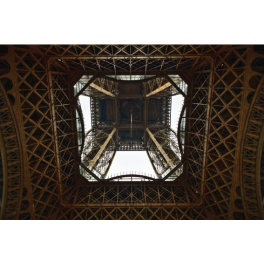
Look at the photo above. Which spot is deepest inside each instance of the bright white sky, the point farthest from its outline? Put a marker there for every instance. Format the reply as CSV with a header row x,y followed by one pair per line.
x,y
176,107
126,161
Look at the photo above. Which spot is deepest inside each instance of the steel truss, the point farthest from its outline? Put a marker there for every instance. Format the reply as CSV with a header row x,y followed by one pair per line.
x,y
160,87
197,120
64,121
10,175
130,58
140,194
96,113
132,213
133,201
31,106
101,88
223,137
162,148
228,109
99,149
252,153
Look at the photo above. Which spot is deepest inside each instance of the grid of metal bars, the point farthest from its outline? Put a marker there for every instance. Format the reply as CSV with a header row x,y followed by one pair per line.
x,y
49,171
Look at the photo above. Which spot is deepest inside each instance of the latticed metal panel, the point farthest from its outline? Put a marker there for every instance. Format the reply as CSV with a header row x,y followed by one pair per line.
x,y
10,165
91,154
222,145
167,141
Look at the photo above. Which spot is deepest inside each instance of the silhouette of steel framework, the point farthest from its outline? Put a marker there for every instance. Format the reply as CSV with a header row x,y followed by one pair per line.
x,y
221,132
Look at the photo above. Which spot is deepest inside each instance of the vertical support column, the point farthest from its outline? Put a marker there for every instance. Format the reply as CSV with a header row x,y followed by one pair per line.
x,y
187,125
73,122
146,111
4,173
242,126
116,112
21,138
207,132
54,129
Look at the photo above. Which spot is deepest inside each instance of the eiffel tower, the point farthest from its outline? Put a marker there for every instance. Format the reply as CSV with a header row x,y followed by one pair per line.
x,y
211,167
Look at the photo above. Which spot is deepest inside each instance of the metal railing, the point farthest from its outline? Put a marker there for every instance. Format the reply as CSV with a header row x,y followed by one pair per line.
x,y
133,174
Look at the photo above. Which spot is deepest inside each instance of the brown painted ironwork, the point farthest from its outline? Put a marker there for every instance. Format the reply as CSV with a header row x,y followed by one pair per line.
x,y
221,152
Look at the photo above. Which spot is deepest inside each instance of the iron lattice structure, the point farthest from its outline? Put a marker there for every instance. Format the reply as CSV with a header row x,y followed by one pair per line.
x,y
220,129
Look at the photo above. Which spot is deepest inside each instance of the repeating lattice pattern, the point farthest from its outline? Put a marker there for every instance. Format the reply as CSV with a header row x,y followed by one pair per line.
x,y
132,213
10,155
35,104
223,132
212,143
93,142
125,58
166,138
251,174
127,50
197,127
65,119
131,194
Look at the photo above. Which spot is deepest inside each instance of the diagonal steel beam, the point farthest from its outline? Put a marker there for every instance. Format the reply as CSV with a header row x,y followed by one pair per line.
x,y
125,57
90,172
174,84
169,161
100,89
85,86
98,154
161,88
173,170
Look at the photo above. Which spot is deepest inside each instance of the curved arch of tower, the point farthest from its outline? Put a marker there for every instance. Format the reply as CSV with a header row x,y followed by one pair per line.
x,y
211,167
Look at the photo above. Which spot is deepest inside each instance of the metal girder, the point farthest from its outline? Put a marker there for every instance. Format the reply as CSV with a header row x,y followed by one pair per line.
x,y
252,157
85,86
55,133
233,150
100,89
116,113
161,88
90,172
181,205
128,212
146,111
11,161
173,170
160,148
150,160
105,73
157,159
168,142
93,161
119,193
99,57
109,166
174,84
208,118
